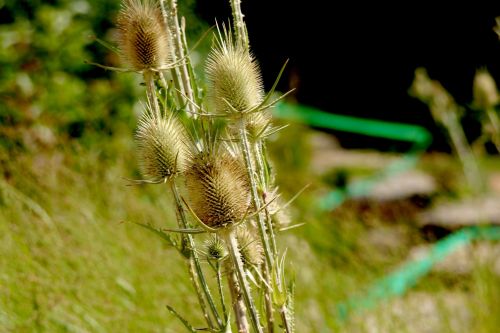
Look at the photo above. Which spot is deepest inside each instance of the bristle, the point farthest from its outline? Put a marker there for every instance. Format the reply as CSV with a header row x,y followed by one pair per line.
x,y
162,146
249,246
142,35
234,78
218,189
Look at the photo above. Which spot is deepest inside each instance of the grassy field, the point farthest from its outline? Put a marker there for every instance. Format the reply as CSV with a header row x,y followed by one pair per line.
x,y
70,261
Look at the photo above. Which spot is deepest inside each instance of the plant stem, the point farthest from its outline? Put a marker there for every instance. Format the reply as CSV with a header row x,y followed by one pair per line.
x,y
260,157
268,302
239,24
194,264
151,93
245,147
464,152
221,292
238,302
232,242
284,319
495,124
169,11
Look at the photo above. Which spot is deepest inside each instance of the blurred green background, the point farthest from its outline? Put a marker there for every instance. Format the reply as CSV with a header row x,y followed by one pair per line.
x,y
69,262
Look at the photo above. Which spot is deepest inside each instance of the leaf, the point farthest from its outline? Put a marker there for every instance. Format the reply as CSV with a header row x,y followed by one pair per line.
x,y
184,321
163,235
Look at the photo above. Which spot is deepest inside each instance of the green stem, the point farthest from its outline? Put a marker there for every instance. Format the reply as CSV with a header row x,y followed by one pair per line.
x,y
268,303
232,242
221,292
284,319
245,147
151,93
260,158
194,263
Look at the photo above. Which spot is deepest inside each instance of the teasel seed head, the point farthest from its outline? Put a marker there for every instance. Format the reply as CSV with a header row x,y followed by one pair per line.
x,y
251,251
234,77
215,248
142,35
218,189
485,90
162,146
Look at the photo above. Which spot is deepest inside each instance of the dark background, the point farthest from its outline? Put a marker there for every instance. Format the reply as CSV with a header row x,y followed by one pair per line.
x,y
358,59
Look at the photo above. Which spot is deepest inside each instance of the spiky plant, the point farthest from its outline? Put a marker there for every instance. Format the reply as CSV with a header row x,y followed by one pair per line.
x,y
226,173
234,77
162,146
218,189
142,35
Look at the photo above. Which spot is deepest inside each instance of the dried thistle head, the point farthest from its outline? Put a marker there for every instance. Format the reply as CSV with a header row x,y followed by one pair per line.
x,y
484,90
162,146
218,189
215,248
142,35
251,251
234,77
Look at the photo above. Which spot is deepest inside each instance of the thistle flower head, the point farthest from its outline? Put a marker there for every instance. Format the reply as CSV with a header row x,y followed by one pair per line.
x,y
250,247
234,77
142,35
215,248
162,146
218,189
485,90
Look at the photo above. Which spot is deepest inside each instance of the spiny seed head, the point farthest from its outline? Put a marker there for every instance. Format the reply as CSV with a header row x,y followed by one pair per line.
x,y
234,78
218,189
215,248
250,247
485,90
162,146
142,35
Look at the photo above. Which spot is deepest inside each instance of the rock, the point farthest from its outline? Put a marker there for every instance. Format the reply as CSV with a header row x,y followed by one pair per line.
x,y
403,185
420,312
464,259
452,216
327,154
386,239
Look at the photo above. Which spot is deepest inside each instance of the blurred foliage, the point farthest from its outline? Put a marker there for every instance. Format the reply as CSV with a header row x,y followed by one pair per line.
x,y
48,93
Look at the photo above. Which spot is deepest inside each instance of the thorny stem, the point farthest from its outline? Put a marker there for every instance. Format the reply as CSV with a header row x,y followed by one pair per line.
x,y
221,292
169,11
238,303
495,124
232,243
284,319
259,157
245,147
258,154
151,93
239,24
269,303
194,264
